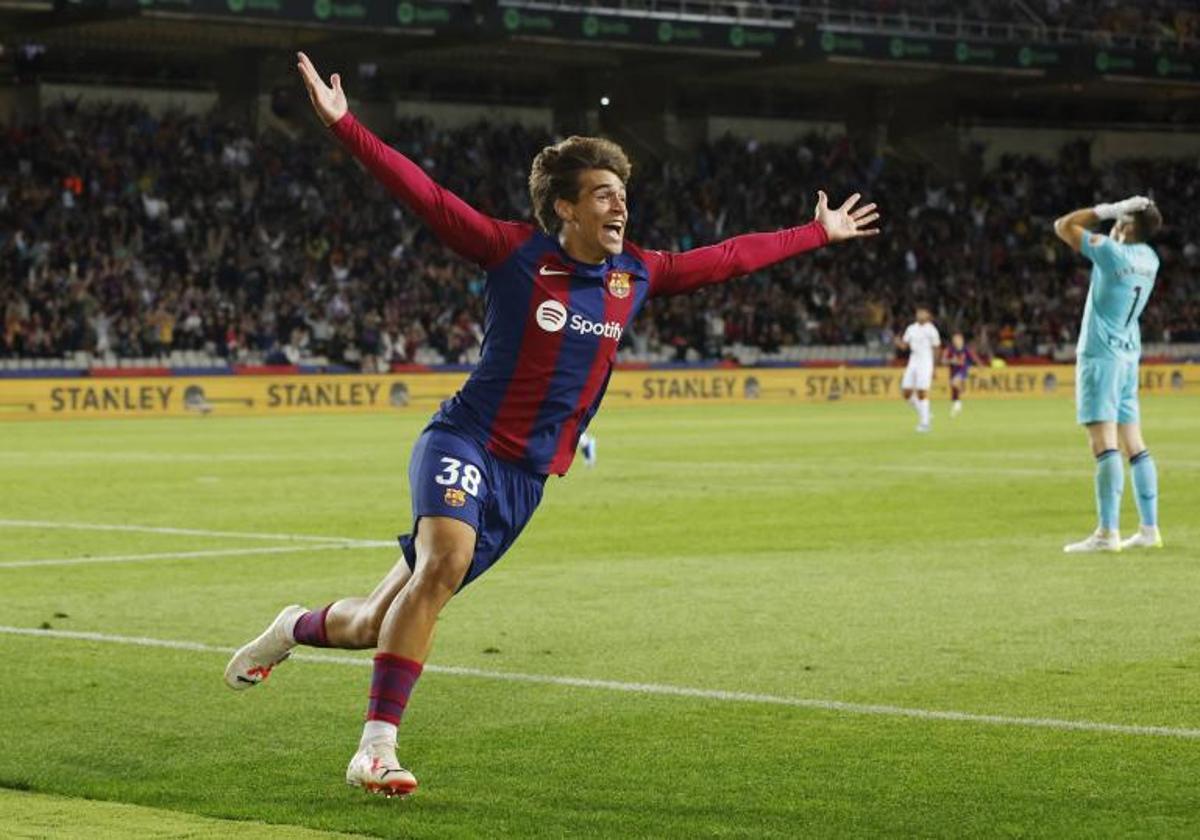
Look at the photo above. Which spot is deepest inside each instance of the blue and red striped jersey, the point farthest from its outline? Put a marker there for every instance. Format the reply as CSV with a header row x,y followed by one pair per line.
x,y
960,360
552,324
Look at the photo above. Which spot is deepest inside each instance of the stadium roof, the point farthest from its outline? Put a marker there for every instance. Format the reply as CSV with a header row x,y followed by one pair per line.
x,y
522,52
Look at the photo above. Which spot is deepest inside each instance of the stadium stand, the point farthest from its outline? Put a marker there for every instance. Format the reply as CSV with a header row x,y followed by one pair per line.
x,y
147,239
179,241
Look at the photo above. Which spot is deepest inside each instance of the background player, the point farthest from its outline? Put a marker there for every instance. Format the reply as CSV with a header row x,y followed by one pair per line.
x,y
1124,267
919,340
558,297
960,358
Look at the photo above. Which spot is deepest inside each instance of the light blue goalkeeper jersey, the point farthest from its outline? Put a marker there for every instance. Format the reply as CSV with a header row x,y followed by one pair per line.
x,y
1122,279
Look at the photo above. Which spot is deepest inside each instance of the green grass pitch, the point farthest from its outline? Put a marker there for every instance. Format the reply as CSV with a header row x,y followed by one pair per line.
x,y
822,553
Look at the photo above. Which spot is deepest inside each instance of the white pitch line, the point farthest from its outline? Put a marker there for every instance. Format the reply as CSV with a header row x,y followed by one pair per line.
x,y
173,555
662,690
188,532
122,457
807,467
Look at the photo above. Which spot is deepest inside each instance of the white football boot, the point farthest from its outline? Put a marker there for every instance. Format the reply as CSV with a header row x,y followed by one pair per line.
x,y
1144,538
589,451
375,769
956,408
253,662
1100,540
923,428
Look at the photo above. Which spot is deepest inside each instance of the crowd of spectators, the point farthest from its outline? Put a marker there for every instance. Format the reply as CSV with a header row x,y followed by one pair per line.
x,y
1167,19
980,251
128,235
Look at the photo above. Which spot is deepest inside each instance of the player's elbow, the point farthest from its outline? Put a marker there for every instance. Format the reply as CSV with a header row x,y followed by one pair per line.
x,y
1060,228
1069,232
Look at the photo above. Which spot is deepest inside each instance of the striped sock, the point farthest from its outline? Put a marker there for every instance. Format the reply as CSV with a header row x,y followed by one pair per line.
x,y
392,682
310,628
1145,487
1110,481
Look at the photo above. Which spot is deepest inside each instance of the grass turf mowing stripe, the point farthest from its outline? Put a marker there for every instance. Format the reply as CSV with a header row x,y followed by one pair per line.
x,y
661,690
176,555
187,532
34,815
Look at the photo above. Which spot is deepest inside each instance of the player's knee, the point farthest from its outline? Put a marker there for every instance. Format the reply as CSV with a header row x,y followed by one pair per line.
x,y
1132,442
440,573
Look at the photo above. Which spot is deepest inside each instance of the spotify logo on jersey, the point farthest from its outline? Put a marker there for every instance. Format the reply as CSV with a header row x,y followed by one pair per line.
x,y
551,316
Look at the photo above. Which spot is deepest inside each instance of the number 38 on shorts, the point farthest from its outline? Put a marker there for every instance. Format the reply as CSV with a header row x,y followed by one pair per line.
x,y
459,479
450,475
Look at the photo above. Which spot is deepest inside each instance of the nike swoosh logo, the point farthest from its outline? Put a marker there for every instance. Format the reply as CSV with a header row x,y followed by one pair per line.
x,y
546,271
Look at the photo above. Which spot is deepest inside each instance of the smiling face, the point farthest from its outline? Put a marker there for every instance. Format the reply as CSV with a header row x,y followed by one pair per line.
x,y
593,226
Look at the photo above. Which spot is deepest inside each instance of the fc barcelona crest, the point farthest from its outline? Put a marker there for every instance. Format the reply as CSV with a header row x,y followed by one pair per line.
x,y
455,497
618,284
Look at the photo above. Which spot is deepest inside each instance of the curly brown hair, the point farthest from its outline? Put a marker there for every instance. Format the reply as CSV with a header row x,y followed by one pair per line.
x,y
555,173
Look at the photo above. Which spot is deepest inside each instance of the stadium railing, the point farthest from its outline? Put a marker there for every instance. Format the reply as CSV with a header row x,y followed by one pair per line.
x,y
861,20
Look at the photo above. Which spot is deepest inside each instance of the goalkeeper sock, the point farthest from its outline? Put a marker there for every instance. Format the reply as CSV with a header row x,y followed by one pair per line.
x,y
1110,481
1145,487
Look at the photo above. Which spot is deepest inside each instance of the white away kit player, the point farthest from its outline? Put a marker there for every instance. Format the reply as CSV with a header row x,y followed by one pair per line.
x,y
921,340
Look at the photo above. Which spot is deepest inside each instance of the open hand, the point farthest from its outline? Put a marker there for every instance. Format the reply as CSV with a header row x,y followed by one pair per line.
x,y
845,222
328,102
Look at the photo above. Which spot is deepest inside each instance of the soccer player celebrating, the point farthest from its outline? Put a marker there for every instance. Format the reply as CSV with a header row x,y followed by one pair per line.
x,y
1124,267
919,340
960,358
558,296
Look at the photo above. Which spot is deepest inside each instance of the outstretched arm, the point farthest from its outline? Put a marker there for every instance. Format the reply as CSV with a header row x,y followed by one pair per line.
x,y
673,273
464,229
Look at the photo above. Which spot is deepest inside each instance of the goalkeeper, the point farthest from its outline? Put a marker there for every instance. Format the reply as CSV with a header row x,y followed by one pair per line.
x,y
1124,267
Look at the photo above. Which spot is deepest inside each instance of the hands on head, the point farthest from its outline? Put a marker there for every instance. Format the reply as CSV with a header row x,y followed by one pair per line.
x,y
329,101
1122,209
846,222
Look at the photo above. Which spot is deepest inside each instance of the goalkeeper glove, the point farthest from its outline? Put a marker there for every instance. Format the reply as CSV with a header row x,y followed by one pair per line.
x,y
1122,209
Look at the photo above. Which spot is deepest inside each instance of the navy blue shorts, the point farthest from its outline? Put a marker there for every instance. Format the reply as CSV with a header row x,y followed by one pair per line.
x,y
451,475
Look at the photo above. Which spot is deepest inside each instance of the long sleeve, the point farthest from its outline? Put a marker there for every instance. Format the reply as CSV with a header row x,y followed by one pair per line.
x,y
466,231
674,273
